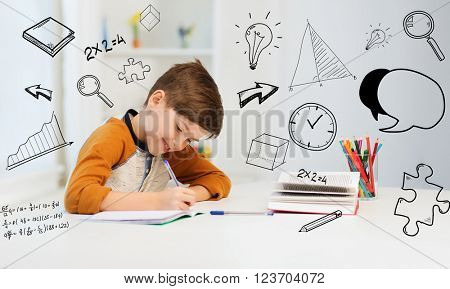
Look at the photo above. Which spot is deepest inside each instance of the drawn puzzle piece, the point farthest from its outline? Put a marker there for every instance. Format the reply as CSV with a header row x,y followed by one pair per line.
x,y
420,209
133,68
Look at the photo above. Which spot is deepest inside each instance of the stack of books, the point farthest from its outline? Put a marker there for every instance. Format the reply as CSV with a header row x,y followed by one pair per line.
x,y
305,195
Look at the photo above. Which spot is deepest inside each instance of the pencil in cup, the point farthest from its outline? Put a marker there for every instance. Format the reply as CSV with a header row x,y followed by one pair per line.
x,y
367,165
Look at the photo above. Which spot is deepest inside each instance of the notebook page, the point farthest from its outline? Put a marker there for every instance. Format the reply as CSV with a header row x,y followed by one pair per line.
x,y
336,182
137,215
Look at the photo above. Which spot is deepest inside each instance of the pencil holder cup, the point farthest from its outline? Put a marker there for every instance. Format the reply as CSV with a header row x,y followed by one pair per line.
x,y
368,171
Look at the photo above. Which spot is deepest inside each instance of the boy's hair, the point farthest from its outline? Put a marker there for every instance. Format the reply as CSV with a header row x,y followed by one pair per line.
x,y
192,93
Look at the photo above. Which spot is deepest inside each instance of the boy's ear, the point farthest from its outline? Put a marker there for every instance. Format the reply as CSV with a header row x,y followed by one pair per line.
x,y
157,98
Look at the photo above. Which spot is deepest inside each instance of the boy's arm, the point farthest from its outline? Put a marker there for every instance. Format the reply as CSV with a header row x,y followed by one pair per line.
x,y
178,198
204,178
86,188
201,193
86,191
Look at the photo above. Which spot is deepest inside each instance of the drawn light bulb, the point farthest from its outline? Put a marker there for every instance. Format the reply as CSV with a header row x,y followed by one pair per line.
x,y
258,37
377,37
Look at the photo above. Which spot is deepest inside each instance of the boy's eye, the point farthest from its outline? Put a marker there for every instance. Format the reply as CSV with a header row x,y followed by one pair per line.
x,y
178,128
192,142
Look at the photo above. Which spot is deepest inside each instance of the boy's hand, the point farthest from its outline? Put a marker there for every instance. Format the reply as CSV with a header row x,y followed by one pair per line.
x,y
178,198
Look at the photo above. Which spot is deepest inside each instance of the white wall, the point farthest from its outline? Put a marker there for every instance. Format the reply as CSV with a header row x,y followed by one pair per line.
x,y
84,114
234,75
24,65
343,25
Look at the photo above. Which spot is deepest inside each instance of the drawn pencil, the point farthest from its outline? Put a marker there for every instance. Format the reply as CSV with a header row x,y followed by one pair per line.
x,y
321,221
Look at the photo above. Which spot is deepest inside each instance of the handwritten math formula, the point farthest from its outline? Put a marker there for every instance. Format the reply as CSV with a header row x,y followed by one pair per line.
x,y
311,176
32,219
91,52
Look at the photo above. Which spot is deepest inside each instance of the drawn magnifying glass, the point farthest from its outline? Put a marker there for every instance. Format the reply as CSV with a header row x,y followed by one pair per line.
x,y
89,85
420,25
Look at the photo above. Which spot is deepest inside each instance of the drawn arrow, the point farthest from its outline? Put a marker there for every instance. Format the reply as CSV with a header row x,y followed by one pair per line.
x,y
36,90
262,91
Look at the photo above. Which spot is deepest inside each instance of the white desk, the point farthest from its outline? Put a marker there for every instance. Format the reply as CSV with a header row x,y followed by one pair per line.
x,y
374,239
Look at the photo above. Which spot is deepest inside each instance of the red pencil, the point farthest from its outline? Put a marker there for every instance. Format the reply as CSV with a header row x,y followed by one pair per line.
x,y
375,147
370,167
360,167
345,152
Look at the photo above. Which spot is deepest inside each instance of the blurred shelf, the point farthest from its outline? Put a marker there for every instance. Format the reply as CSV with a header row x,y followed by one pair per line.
x,y
183,52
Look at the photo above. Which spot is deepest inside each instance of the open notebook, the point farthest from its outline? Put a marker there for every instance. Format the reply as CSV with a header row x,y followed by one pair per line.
x,y
139,217
292,194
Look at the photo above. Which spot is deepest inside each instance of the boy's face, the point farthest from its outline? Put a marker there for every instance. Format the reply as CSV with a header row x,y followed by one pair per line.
x,y
164,129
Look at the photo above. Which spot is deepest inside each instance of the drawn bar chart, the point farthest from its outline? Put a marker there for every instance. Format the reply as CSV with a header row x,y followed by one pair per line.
x,y
48,139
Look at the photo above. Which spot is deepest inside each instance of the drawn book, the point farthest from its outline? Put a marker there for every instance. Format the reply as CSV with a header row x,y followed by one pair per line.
x,y
304,195
49,35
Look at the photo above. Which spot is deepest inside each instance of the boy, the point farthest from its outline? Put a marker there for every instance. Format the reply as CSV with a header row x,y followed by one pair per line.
x,y
120,167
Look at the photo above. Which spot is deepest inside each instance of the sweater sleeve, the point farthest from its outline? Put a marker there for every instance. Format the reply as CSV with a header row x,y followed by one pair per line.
x,y
194,170
86,188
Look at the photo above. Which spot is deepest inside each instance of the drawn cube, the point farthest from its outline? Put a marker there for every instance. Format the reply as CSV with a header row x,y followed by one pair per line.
x,y
149,17
267,152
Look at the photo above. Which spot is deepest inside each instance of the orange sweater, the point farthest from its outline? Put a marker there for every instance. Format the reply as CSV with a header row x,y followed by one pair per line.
x,y
111,145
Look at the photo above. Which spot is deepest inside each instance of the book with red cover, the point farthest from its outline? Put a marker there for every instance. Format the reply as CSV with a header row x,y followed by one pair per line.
x,y
293,194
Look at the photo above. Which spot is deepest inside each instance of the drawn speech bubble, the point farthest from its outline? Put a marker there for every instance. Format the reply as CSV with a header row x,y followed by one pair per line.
x,y
411,98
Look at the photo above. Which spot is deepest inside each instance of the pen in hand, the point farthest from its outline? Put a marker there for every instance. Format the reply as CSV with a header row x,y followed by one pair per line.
x,y
171,173
174,178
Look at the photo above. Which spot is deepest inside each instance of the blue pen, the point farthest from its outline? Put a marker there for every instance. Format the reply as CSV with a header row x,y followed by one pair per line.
x,y
171,173
221,213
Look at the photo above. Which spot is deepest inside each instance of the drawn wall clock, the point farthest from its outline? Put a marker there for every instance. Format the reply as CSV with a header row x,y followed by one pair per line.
x,y
313,127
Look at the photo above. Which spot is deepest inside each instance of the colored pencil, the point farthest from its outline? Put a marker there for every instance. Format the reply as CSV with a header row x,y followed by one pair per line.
x,y
375,150
370,164
358,148
360,168
356,162
362,160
